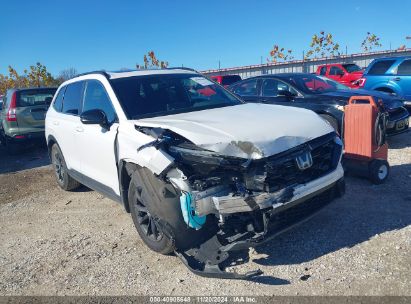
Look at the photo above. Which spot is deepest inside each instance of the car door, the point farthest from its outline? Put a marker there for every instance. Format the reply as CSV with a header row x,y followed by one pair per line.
x,y
96,144
403,78
248,90
379,74
275,91
67,123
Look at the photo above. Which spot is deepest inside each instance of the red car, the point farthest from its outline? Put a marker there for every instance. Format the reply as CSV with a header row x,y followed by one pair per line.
x,y
345,73
226,80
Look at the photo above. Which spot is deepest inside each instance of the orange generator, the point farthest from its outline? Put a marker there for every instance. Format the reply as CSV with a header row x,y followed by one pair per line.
x,y
364,136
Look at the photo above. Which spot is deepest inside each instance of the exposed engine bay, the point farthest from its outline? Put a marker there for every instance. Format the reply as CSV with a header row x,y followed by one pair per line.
x,y
244,197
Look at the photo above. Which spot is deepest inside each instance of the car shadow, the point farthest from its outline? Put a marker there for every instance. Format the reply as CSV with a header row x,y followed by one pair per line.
x,y
28,157
269,280
365,211
400,141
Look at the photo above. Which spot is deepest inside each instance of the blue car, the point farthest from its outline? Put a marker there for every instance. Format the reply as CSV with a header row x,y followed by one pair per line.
x,y
391,75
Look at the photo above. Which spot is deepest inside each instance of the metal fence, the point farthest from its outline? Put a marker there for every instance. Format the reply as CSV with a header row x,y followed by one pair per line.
x,y
305,66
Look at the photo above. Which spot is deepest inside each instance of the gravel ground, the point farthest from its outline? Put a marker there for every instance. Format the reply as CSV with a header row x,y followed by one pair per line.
x,y
79,243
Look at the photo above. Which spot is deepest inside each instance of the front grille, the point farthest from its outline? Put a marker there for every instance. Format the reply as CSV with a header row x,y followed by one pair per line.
x,y
282,171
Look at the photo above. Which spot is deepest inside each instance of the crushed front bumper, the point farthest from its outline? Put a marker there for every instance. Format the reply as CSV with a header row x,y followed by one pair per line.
x,y
222,250
233,204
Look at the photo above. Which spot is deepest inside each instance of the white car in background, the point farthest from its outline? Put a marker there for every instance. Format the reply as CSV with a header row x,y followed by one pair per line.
x,y
202,173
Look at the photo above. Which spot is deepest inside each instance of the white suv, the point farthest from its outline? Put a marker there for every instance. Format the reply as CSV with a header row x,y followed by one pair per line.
x,y
202,173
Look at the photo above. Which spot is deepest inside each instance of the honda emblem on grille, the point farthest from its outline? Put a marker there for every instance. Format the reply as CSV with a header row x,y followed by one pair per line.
x,y
304,161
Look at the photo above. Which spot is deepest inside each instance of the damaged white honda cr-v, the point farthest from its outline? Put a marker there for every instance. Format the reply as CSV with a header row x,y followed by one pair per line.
x,y
203,174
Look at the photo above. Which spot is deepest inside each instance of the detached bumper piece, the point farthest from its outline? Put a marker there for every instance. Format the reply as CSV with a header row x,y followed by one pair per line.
x,y
229,247
210,261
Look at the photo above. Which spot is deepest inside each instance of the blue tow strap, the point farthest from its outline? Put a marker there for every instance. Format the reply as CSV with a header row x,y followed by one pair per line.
x,y
191,219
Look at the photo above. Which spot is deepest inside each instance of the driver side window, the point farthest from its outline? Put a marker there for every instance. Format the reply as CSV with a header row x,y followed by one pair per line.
x,y
274,87
96,97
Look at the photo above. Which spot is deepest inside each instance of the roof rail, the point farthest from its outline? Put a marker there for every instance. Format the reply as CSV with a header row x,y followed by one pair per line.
x,y
182,68
101,72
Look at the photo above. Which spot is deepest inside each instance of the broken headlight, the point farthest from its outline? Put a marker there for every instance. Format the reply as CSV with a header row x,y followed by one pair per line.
x,y
194,154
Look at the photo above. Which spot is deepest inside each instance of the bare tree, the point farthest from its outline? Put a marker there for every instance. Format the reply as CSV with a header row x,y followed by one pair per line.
x,y
67,74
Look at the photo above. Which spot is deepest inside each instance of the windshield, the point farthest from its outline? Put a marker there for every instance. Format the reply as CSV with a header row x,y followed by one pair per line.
x,y
351,67
159,95
311,84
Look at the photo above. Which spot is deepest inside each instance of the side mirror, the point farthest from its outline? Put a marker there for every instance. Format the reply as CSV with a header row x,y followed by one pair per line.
x,y
95,117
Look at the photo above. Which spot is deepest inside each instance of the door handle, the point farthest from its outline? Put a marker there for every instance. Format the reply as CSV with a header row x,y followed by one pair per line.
x,y
79,129
56,123
397,79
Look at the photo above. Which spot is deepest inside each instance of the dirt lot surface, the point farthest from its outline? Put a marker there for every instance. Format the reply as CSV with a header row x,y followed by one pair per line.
x,y
79,243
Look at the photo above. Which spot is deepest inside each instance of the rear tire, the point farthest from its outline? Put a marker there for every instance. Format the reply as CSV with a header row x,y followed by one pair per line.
x,y
64,180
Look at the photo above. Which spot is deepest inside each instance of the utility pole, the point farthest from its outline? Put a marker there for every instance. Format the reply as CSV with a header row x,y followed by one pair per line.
x,y
303,68
219,65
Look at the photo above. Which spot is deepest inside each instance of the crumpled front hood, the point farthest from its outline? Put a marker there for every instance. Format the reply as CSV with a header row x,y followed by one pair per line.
x,y
248,131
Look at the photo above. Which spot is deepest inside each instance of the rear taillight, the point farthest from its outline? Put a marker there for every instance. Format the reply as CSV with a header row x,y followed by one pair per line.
x,y
11,113
361,82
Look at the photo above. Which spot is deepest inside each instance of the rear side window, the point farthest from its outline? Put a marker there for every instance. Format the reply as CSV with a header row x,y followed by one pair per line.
x,y
404,68
247,88
58,102
95,97
323,70
380,67
35,97
73,97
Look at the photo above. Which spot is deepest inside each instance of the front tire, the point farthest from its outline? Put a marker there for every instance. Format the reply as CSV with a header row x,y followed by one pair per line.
x,y
146,223
64,180
156,212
